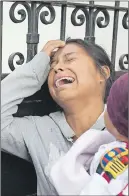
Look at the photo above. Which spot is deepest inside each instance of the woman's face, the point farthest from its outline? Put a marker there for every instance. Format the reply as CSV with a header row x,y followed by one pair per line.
x,y
73,75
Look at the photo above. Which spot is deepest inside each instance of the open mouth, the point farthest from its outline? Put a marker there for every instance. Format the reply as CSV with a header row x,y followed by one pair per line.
x,y
63,81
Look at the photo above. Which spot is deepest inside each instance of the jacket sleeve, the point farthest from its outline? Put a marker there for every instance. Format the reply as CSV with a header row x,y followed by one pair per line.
x,y
21,83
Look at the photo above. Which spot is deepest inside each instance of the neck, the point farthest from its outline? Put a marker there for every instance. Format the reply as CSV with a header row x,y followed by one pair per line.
x,y
81,118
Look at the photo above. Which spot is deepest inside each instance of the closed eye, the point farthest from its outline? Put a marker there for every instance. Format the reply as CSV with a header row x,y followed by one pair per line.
x,y
70,59
54,62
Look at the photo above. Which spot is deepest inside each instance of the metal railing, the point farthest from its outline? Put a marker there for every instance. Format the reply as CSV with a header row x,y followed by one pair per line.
x,y
90,15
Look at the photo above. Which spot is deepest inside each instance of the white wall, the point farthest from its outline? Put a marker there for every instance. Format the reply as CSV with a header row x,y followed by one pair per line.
x,y
14,35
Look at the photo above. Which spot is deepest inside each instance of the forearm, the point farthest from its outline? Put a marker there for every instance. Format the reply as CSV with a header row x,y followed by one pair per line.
x,y
21,83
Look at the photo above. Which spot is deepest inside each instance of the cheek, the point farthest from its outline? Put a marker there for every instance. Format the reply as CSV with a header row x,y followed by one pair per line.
x,y
50,79
50,84
87,70
87,78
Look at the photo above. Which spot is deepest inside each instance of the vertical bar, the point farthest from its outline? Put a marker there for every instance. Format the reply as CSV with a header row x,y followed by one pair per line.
x,y
115,31
32,36
1,25
63,22
89,35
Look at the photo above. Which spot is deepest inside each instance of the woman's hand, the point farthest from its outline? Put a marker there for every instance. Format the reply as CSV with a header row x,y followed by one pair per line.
x,y
52,45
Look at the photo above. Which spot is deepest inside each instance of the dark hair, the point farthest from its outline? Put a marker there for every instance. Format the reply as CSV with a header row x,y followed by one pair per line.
x,y
100,58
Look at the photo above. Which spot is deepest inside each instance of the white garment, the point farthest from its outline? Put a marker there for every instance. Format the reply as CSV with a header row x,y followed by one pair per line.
x,y
69,175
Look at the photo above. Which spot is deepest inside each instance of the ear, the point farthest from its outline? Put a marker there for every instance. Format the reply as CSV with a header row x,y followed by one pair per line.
x,y
106,73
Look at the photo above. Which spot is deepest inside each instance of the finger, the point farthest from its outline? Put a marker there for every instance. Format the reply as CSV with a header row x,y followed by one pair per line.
x,y
55,43
52,48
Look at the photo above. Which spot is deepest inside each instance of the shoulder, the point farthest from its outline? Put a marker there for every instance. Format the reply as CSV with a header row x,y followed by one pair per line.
x,y
39,124
47,121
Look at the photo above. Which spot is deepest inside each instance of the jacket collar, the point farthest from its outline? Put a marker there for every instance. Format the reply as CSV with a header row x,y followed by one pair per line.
x,y
67,131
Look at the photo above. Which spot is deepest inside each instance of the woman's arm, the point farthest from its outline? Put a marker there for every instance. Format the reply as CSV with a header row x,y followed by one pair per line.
x,y
21,83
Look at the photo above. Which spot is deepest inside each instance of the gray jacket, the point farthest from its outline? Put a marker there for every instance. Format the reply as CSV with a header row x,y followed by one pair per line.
x,y
41,140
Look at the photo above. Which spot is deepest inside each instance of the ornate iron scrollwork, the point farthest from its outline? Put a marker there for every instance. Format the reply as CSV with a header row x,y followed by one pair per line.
x,y
23,15
125,21
43,14
105,18
35,10
81,17
20,12
91,19
11,59
123,61
32,38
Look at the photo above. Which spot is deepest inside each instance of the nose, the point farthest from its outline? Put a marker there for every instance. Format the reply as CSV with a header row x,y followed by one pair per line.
x,y
58,68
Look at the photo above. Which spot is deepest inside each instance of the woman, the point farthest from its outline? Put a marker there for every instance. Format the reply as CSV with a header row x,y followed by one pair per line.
x,y
77,78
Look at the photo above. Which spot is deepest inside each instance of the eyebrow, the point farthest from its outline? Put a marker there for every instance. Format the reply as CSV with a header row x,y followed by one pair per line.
x,y
68,54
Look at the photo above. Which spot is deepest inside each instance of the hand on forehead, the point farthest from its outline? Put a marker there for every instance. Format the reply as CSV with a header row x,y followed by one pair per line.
x,y
67,50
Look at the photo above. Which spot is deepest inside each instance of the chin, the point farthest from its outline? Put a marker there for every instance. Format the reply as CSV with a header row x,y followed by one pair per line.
x,y
63,98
